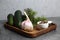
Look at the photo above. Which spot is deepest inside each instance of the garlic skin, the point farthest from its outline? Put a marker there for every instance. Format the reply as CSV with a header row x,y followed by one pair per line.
x,y
27,25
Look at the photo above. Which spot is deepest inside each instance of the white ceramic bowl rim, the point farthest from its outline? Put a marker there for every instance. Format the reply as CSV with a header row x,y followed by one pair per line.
x,y
44,23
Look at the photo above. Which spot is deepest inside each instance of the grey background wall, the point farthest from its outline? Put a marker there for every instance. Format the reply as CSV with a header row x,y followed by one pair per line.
x,y
48,8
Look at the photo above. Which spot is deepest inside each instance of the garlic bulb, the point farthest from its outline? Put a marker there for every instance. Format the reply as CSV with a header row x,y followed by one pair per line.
x,y
27,24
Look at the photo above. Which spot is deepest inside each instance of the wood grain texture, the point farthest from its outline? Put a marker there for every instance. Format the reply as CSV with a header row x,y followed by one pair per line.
x,y
32,34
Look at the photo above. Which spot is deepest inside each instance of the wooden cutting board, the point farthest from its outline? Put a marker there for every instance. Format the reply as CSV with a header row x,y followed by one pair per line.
x,y
36,32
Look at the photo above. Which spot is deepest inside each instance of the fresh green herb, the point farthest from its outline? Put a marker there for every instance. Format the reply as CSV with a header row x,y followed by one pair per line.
x,y
32,14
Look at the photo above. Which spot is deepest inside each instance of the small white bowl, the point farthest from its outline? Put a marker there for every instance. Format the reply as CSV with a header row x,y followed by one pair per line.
x,y
49,22
44,25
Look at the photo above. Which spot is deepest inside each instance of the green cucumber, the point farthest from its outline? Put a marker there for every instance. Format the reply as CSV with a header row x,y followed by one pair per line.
x,y
10,19
17,18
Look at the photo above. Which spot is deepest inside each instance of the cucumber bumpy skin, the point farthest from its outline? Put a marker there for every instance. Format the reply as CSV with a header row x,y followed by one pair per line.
x,y
17,18
10,19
